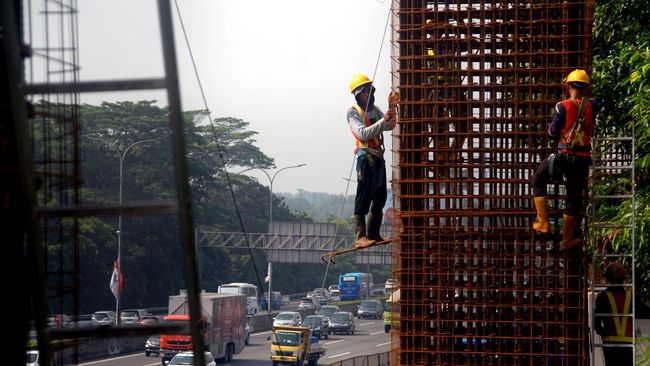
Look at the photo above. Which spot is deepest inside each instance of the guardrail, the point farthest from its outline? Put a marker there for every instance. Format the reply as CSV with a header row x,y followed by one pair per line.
x,y
379,359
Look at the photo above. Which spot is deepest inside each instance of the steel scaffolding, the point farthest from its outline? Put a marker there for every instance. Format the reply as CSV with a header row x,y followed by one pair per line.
x,y
478,82
40,134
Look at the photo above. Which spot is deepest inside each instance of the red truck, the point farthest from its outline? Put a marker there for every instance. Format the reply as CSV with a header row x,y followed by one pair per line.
x,y
224,316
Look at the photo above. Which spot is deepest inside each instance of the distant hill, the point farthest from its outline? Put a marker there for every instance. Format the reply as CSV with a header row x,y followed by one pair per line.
x,y
320,206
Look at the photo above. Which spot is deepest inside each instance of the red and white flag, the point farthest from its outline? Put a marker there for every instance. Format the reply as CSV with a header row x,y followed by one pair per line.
x,y
116,280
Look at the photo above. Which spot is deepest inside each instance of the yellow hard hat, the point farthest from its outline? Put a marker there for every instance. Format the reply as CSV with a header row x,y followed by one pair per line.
x,y
578,76
357,81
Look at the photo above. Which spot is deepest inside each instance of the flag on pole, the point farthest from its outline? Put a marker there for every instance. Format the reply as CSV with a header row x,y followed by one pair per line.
x,y
116,280
268,274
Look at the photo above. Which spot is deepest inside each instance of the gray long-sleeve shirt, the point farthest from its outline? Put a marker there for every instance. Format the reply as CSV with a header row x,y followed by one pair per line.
x,y
366,133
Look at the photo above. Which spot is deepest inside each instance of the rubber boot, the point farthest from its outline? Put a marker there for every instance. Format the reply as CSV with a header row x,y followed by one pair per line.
x,y
541,223
374,226
568,230
360,232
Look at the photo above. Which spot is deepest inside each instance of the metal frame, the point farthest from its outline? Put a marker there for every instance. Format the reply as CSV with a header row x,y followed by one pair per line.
x,y
613,157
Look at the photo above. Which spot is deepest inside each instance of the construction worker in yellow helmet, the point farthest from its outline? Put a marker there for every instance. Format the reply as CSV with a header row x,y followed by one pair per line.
x,y
572,126
368,123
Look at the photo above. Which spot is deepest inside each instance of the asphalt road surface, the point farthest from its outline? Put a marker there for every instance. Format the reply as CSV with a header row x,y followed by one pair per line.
x,y
368,338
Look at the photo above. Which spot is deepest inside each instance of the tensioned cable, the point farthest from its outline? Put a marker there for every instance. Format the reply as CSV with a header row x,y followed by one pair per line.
x,y
354,159
220,153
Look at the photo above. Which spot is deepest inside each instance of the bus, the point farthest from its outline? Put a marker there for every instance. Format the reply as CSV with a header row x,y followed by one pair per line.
x,y
239,288
355,285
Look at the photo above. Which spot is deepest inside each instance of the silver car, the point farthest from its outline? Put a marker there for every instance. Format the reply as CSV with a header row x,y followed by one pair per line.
x,y
307,303
103,318
292,318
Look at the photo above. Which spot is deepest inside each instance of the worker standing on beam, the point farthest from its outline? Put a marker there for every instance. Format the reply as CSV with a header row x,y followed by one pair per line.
x,y
616,331
572,126
367,123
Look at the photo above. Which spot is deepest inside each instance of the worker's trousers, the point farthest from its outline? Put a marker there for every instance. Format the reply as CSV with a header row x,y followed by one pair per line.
x,y
371,185
575,169
617,355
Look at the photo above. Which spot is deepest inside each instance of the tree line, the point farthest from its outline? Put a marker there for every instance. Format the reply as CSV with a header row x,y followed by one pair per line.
x,y
151,251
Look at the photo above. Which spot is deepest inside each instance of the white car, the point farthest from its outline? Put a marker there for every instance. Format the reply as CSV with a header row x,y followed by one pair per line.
x,y
187,359
32,358
391,284
292,318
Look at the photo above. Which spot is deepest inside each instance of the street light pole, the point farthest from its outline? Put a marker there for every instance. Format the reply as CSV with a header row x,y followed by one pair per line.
x,y
271,179
120,156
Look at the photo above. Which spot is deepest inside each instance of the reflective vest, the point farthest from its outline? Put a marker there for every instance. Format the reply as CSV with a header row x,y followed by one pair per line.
x,y
573,139
622,325
374,144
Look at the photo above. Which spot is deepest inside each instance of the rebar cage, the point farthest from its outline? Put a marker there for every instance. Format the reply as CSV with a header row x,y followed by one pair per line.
x,y
478,81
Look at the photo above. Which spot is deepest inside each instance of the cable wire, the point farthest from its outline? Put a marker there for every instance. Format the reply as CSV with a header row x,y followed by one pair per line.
x,y
374,74
220,152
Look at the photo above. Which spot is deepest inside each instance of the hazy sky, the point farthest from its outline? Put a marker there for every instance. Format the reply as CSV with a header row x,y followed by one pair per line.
x,y
284,66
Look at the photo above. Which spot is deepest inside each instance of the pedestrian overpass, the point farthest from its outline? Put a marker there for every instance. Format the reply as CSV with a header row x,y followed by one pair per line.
x,y
295,242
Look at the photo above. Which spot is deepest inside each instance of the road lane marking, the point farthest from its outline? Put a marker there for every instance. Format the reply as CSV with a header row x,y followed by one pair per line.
x,y
262,333
366,324
382,344
110,359
340,354
380,332
340,340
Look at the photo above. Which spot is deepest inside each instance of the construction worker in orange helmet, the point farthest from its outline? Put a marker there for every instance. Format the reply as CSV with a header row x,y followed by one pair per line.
x,y
572,127
616,331
368,123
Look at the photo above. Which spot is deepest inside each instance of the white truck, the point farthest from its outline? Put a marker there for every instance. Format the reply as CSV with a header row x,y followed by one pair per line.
x,y
225,319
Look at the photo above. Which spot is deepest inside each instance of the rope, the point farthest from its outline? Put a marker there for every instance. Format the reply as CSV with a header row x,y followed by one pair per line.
x,y
222,159
352,169
220,153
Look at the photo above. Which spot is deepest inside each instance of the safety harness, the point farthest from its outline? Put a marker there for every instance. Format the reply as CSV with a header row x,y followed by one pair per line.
x,y
568,139
376,143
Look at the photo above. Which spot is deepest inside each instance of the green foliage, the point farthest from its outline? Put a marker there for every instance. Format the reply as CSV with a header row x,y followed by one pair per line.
x,y
621,79
151,254
321,206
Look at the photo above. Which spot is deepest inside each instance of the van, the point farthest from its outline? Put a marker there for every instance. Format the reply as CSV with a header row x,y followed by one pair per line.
x,y
133,315
276,300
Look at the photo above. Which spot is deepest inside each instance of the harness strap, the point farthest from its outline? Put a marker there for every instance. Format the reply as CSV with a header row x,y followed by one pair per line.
x,y
367,123
569,137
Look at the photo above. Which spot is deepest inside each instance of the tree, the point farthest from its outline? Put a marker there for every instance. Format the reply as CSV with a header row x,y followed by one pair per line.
x,y
621,79
151,254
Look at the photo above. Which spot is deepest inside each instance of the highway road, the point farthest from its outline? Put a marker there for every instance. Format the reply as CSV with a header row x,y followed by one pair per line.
x,y
369,338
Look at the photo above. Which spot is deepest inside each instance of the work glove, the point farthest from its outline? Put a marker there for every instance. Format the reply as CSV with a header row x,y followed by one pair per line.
x,y
391,114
